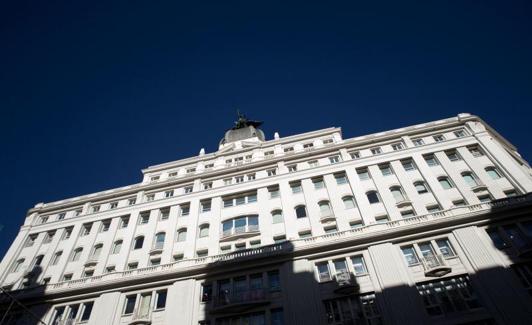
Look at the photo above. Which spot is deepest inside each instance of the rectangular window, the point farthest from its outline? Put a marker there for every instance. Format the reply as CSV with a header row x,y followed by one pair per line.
x,y
48,237
397,146
239,179
228,181
359,265
205,205
324,273
453,155
271,172
86,311
292,168
274,281
150,197
105,225
250,177
363,174
86,229
274,191
296,187
418,142
431,160
129,306
475,151
439,138
168,194
341,178
132,201
386,169
408,164
113,205
124,221
160,296
164,213
185,209
207,186
61,216
459,133
376,151
95,208
318,183
188,189
144,218
172,174
334,159
449,296
361,309
289,150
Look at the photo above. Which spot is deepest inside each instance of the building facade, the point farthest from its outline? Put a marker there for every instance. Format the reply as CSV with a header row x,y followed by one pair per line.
x,y
427,224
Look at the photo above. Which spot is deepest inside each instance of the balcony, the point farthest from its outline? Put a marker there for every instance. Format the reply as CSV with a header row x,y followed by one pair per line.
x,y
403,203
435,265
235,302
346,283
140,317
327,217
239,232
91,262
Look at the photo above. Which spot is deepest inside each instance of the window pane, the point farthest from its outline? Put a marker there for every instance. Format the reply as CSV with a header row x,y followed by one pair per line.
x,y
445,247
359,265
161,299
410,255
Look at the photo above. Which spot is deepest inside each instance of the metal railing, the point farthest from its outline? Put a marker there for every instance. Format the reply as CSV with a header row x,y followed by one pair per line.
x,y
239,230
431,262
227,298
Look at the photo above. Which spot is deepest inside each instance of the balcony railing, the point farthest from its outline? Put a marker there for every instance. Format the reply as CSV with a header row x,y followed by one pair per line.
x,y
456,213
238,301
435,265
327,217
141,317
346,283
236,232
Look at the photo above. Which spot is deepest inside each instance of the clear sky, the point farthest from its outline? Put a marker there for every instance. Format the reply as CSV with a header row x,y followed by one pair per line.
x,y
91,92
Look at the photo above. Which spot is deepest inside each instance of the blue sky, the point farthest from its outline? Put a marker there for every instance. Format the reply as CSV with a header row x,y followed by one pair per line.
x,y
91,92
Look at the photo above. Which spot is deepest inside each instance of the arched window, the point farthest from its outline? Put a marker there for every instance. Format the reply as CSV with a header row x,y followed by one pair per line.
x,y
325,208
421,187
277,216
117,245
469,179
301,211
57,257
96,251
397,194
77,253
182,235
159,240
493,172
349,202
139,242
445,183
373,197
204,230
17,265
37,260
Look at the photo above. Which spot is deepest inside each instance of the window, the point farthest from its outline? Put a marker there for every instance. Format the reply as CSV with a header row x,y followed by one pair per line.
x,y
382,219
160,299
445,183
124,221
209,166
341,178
271,172
78,212
356,224
359,265
67,233
250,177
239,199
182,235
376,151
325,209
493,172
206,292
418,142
328,141
164,213
204,231
354,154
188,189
397,146
363,174
169,193
445,247
129,306
292,168
185,209
279,239
305,234
459,133
67,277
334,159
76,254
150,197
431,160
330,229
239,179
318,183
268,154
459,203
202,253
410,255
86,229
190,170
30,241
56,258
96,251
428,251
408,164
313,163
397,194
254,243
510,193
408,213
205,205
132,201
277,216
113,205
301,211
138,242
373,197
361,309
484,198
159,240
296,187
105,225
117,246
386,169
144,217
289,150
61,216
274,191
349,202
453,155
448,296
524,273
172,174
308,146
17,265
439,138
421,187
207,186
324,273
475,151
95,208
48,237
228,181
433,208
240,225
86,310
155,178
469,179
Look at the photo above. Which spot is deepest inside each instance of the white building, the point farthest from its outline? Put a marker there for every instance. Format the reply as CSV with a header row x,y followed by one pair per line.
x,y
427,224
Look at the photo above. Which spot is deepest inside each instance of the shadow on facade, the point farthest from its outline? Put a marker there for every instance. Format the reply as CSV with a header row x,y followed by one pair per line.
x,y
278,285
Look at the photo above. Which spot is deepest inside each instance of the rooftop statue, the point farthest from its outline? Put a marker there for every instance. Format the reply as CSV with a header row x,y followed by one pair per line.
x,y
243,122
